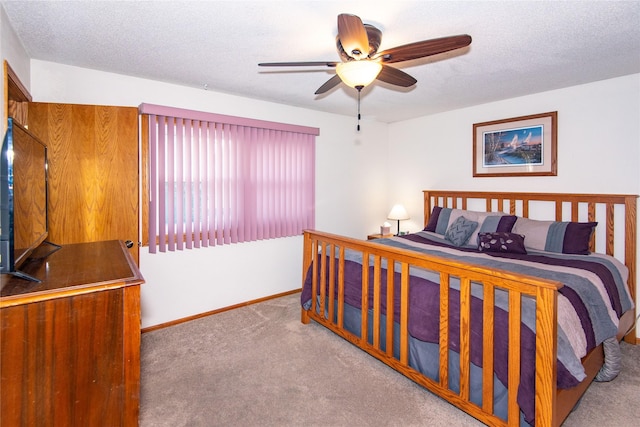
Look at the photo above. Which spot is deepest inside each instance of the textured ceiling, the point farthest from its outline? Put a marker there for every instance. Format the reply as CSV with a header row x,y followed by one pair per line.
x,y
518,48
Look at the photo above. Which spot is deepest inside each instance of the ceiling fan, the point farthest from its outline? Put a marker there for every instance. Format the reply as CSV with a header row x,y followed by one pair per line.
x,y
358,44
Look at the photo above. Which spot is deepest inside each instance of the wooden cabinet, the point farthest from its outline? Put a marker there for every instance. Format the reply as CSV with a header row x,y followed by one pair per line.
x,y
93,171
70,345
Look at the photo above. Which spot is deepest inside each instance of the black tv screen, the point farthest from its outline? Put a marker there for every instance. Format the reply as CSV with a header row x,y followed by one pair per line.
x,y
23,196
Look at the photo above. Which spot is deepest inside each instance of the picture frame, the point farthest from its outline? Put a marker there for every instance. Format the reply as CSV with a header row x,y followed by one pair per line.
x,y
519,146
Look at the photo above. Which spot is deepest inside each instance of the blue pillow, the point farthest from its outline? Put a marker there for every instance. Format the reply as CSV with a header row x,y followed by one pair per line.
x,y
460,230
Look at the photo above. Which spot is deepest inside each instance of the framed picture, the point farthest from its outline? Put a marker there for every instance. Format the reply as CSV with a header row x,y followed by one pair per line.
x,y
521,146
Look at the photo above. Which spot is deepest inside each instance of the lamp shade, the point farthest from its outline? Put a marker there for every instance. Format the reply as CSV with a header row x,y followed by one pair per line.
x,y
398,212
358,73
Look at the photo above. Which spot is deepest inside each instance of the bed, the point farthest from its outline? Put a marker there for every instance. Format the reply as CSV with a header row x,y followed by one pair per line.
x,y
505,305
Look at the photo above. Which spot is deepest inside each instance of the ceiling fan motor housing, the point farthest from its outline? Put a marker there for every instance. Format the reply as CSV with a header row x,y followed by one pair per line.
x,y
374,35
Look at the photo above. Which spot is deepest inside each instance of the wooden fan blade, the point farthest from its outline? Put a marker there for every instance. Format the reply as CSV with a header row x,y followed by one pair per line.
x,y
353,36
329,84
424,48
395,77
299,64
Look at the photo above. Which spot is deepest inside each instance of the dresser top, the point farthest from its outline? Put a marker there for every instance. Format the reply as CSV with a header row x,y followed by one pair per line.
x,y
74,268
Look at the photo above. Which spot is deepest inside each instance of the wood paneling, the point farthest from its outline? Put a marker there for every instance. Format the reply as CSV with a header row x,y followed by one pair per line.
x,y
93,171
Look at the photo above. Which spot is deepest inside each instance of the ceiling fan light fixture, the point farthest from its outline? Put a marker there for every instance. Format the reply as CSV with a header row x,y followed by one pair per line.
x,y
358,73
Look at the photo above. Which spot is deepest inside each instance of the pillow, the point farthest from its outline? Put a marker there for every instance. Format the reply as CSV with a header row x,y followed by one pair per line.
x,y
442,218
458,233
433,219
500,223
501,242
556,236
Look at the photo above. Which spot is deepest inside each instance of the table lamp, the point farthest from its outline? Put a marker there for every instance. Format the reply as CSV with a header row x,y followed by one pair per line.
x,y
398,212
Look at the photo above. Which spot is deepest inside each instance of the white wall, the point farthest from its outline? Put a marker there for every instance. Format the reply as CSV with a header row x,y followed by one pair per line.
x,y
351,191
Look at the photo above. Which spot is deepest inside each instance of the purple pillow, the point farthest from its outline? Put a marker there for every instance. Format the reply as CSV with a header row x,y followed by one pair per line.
x,y
433,219
501,242
576,237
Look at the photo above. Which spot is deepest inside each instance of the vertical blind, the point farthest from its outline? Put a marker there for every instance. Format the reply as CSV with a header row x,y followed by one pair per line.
x,y
216,179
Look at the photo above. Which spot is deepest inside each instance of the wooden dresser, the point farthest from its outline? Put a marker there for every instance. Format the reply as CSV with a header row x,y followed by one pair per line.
x,y
70,345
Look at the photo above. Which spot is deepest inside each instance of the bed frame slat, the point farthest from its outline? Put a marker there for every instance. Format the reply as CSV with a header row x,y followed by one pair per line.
x,y
404,314
323,277
332,281
591,217
487,348
341,289
610,229
365,297
390,308
444,330
465,338
376,301
514,355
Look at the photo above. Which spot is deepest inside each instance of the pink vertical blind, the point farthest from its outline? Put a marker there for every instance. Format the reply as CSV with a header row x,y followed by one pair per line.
x,y
218,179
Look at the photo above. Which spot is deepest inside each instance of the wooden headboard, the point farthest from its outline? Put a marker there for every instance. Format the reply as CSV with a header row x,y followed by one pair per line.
x,y
615,213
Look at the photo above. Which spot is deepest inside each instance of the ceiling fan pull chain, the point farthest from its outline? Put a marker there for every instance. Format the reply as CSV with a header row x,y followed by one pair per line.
x,y
359,89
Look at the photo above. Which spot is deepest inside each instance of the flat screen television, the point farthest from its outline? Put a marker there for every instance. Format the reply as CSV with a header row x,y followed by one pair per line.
x,y
23,198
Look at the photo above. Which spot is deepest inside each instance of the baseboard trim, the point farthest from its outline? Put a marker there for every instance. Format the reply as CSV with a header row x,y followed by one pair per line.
x,y
219,310
231,307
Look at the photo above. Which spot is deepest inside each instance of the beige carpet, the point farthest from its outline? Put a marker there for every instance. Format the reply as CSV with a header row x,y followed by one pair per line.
x,y
259,366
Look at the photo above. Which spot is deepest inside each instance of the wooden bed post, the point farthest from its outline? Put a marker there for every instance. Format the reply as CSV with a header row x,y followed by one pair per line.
x,y
546,362
630,255
306,262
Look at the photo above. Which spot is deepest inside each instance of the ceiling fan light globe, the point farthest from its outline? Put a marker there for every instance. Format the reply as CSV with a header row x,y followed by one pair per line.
x,y
358,73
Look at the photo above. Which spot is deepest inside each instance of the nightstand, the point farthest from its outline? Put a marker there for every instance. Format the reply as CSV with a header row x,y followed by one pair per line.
x,y
378,236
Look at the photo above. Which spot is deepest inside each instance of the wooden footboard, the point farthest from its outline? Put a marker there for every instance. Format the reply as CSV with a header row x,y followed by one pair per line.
x,y
329,279
518,287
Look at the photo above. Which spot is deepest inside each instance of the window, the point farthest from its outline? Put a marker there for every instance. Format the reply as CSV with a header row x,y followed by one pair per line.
x,y
215,179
